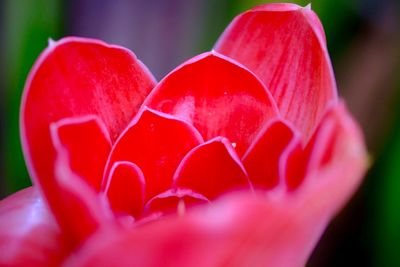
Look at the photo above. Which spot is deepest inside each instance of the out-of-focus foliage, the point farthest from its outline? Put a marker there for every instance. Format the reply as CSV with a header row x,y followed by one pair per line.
x,y
387,201
27,25
363,41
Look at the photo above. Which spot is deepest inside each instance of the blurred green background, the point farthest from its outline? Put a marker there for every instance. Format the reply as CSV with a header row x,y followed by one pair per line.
x,y
364,43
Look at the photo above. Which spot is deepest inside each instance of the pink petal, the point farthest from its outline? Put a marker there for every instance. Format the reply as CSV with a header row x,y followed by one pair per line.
x,y
262,159
320,150
295,163
284,44
88,144
78,208
77,77
125,188
211,169
156,143
337,154
29,236
241,230
218,96
174,201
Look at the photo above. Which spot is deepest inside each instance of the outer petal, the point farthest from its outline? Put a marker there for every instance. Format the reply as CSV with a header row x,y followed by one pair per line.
x,y
77,77
284,44
156,143
125,188
279,230
88,145
218,96
211,169
29,235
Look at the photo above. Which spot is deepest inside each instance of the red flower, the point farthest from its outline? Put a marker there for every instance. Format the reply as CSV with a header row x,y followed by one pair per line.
x,y
238,157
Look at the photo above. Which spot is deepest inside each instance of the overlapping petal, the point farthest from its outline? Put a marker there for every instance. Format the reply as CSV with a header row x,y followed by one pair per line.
x,y
125,188
77,77
88,145
78,208
29,235
264,159
102,150
243,230
284,45
218,96
174,201
211,169
156,143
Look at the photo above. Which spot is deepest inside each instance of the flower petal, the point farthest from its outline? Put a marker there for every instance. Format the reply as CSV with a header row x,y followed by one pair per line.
x,y
241,230
218,96
263,158
335,127
284,45
125,188
294,162
211,169
77,77
338,136
88,144
174,201
77,207
238,230
156,143
29,236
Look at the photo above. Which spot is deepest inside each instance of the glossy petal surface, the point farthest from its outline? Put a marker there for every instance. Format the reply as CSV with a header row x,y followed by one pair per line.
x,y
77,77
284,45
125,188
211,169
29,235
88,145
156,143
216,95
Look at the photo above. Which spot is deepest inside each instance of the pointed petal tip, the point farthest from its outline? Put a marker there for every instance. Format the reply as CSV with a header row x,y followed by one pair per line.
x,y
279,7
51,43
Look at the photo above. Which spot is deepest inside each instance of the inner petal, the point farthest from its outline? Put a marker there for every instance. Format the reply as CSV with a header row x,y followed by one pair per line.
x,y
174,201
125,188
156,143
211,169
218,96
262,160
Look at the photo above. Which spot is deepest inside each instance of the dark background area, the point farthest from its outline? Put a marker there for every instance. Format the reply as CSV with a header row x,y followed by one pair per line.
x,y
364,43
